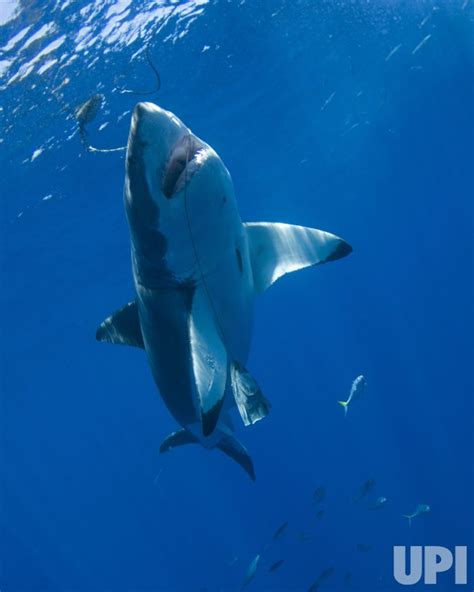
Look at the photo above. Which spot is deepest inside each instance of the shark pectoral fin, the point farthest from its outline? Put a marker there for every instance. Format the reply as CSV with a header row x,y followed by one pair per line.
x,y
277,249
250,400
178,438
233,448
209,360
123,327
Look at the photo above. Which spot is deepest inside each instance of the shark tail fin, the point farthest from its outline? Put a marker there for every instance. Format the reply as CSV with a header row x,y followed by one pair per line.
x,y
409,518
344,404
230,446
179,438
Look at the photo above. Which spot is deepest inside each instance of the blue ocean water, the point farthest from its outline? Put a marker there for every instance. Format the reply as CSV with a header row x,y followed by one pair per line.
x,y
353,117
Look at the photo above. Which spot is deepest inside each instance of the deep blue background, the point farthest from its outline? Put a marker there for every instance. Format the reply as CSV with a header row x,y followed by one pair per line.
x,y
87,503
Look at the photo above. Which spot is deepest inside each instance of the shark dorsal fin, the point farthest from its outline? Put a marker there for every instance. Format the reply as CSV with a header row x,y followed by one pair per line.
x,y
209,360
122,327
277,249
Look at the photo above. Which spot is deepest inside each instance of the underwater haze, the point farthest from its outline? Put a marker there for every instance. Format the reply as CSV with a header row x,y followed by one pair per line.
x,y
355,117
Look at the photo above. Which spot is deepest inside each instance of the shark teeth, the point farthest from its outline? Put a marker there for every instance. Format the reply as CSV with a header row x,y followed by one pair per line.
x,y
187,157
194,165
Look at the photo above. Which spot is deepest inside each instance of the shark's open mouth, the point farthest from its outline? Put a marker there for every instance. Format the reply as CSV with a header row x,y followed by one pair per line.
x,y
187,156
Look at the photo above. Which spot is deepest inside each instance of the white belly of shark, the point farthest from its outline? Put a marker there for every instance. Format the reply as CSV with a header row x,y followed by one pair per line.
x,y
197,269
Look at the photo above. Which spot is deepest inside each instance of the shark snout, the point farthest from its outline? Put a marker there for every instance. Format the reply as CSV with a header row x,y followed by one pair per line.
x,y
141,114
145,110
166,145
142,109
151,121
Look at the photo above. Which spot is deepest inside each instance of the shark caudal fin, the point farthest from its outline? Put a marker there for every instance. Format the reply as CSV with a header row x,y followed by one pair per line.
x,y
178,438
344,404
230,446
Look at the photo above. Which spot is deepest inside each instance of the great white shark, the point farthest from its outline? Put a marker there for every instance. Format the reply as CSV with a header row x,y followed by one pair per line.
x,y
197,269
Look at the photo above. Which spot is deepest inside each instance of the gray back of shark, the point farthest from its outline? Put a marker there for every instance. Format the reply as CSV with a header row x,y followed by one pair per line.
x,y
196,270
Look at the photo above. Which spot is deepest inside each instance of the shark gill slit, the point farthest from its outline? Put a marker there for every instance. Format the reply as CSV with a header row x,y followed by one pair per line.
x,y
218,406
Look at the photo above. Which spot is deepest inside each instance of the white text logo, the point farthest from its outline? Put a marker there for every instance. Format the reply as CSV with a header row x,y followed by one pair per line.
x,y
434,559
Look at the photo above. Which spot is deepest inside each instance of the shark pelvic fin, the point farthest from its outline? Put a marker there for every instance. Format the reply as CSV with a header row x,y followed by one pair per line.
x,y
250,400
233,448
178,438
123,327
209,360
277,249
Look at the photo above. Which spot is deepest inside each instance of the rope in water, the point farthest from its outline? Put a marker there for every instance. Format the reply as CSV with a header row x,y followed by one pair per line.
x,y
83,133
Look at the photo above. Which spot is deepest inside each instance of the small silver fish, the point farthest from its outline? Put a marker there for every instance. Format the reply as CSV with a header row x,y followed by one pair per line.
x,y
319,495
280,531
357,388
364,489
276,565
323,576
252,568
378,503
420,509
320,514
